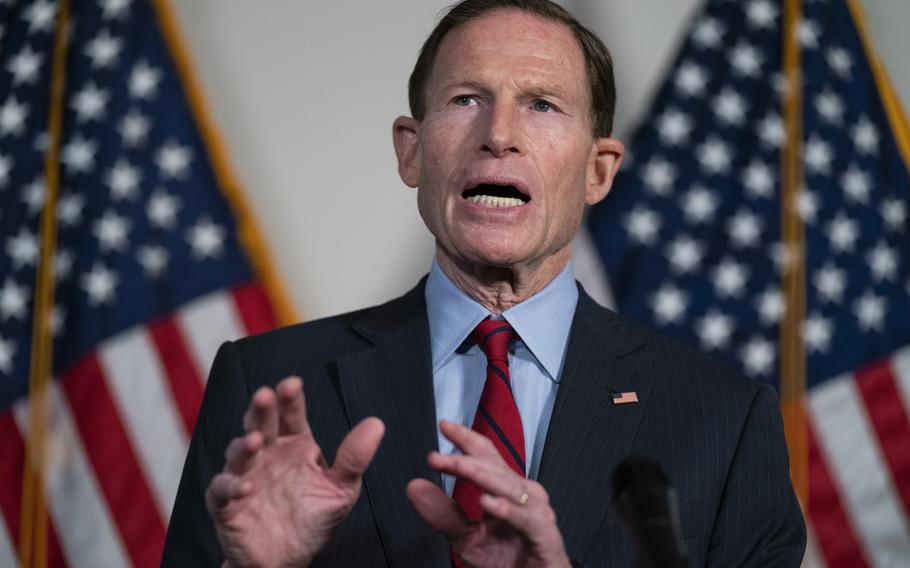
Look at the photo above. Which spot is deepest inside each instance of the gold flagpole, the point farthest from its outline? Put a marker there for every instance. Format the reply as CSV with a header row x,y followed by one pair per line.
x,y
33,533
792,348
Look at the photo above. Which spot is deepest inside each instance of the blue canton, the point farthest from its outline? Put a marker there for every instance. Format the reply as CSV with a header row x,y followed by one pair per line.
x,y
691,233
143,226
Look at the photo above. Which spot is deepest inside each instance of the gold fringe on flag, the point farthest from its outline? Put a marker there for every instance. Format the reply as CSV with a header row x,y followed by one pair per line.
x,y
893,110
251,236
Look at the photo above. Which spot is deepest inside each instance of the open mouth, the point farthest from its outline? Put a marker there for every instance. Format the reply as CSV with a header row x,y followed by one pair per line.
x,y
495,195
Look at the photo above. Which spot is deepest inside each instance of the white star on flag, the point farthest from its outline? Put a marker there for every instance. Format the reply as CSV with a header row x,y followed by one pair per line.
x,y
23,248
674,127
830,282
669,304
770,306
25,65
153,260
12,116
79,154
714,156
143,82
685,254
173,160
708,33
104,50
817,333
111,230
162,209
758,356
691,79
840,62
644,225
714,330
134,129
13,301
699,205
123,179
100,283
40,16
7,350
69,209
90,103
865,136
761,14
206,239
6,166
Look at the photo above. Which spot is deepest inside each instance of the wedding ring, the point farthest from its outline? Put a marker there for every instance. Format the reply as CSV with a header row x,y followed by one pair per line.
x,y
523,499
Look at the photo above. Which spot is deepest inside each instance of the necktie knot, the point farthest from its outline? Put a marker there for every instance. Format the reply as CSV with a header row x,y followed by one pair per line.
x,y
493,337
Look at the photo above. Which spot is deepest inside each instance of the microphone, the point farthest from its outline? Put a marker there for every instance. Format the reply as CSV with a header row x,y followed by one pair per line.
x,y
647,504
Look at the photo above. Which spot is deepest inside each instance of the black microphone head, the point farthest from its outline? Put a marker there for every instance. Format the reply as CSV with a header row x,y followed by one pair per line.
x,y
647,504
638,469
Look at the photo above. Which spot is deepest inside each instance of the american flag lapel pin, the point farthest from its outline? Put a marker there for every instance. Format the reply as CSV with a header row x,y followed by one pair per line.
x,y
625,397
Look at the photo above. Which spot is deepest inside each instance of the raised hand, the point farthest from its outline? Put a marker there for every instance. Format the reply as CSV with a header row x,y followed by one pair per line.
x,y
277,502
518,527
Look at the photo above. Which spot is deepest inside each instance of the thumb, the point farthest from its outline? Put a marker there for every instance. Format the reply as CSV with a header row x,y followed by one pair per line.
x,y
357,451
437,509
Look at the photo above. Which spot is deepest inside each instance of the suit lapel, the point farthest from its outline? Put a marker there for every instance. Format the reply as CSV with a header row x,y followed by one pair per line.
x,y
393,381
588,434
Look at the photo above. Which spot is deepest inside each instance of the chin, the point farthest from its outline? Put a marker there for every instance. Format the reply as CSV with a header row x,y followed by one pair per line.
x,y
500,258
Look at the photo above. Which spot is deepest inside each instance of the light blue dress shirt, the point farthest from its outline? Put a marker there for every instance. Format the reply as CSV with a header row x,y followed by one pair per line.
x,y
536,360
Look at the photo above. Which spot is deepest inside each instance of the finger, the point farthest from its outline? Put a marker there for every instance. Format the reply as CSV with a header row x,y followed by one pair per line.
x,y
291,407
491,476
225,489
470,442
241,453
534,520
437,509
357,450
262,415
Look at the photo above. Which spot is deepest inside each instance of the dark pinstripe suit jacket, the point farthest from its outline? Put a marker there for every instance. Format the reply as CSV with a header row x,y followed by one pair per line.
x,y
718,434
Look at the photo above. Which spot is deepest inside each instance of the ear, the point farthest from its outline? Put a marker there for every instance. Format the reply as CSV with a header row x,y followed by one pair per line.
x,y
606,157
406,137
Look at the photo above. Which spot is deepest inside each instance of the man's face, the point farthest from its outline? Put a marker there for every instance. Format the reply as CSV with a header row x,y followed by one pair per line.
x,y
504,158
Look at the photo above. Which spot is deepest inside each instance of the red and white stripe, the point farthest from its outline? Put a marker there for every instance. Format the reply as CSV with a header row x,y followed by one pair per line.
x,y
860,466
120,428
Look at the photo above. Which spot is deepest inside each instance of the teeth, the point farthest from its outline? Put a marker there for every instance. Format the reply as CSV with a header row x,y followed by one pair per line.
x,y
493,201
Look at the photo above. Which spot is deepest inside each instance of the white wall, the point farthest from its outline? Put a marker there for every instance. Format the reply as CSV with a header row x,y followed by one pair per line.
x,y
305,92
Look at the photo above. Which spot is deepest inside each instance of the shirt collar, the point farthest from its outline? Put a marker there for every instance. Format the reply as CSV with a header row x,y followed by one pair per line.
x,y
542,321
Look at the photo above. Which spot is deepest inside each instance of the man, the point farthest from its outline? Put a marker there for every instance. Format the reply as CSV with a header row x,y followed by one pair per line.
x,y
512,104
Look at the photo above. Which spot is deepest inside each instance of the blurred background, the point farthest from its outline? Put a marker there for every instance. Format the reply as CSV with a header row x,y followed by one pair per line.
x,y
155,265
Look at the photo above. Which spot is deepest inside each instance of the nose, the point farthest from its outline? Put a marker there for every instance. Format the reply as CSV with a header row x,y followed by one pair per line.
x,y
503,131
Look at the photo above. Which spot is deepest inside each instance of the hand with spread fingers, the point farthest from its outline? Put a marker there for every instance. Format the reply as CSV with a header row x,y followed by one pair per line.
x,y
518,527
277,502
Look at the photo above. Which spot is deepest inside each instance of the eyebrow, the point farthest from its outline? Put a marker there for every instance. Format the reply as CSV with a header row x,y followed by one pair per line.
x,y
536,89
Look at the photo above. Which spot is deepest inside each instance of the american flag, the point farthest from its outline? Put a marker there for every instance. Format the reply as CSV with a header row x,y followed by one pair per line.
x,y
691,239
156,264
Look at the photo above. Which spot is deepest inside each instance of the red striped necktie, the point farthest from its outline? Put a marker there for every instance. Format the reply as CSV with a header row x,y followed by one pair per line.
x,y
497,415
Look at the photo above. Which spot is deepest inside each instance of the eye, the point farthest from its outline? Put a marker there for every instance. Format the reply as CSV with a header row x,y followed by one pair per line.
x,y
542,106
464,100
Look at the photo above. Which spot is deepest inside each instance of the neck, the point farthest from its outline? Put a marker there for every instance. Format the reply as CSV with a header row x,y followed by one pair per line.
x,y
498,288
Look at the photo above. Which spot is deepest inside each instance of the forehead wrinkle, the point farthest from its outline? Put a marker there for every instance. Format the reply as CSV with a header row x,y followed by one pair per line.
x,y
472,67
534,83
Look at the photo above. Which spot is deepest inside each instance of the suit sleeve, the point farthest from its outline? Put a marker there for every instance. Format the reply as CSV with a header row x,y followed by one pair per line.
x,y
759,522
191,539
